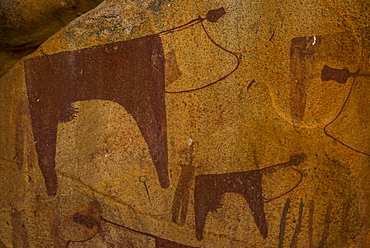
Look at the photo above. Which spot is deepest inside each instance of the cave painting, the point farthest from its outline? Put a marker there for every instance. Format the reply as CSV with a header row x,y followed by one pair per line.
x,y
341,76
210,188
91,222
130,73
302,57
297,230
305,52
298,227
311,58
184,184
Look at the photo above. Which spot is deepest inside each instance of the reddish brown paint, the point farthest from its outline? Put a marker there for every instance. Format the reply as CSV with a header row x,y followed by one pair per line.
x,y
302,57
283,223
327,222
19,230
338,75
130,73
298,227
215,14
210,188
182,193
341,76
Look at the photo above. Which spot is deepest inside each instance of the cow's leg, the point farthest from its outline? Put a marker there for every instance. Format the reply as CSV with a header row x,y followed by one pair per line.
x,y
45,133
253,195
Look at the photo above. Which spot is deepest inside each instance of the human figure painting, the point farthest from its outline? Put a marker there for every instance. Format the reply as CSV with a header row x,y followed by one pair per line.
x,y
130,73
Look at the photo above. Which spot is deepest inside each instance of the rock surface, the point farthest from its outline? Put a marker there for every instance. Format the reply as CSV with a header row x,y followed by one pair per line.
x,y
25,24
263,107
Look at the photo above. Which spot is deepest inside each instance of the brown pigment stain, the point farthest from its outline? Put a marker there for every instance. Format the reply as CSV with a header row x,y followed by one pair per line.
x,y
130,73
327,221
283,223
215,14
171,68
19,231
302,55
212,16
338,75
294,242
341,76
210,188
182,194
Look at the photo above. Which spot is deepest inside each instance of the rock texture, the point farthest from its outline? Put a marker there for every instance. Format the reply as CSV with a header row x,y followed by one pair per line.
x,y
24,25
164,124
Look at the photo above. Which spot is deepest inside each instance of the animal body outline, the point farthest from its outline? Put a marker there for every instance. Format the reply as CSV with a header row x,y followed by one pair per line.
x,y
82,75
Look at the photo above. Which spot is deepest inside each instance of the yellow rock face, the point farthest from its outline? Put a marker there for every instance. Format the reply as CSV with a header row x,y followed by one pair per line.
x,y
191,124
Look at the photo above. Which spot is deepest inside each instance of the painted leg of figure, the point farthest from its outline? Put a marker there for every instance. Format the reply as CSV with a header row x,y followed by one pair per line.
x,y
253,195
203,197
182,194
45,133
200,207
144,97
207,197
149,112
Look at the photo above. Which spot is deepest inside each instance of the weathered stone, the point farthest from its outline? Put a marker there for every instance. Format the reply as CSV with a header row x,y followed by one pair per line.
x,y
25,24
256,112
